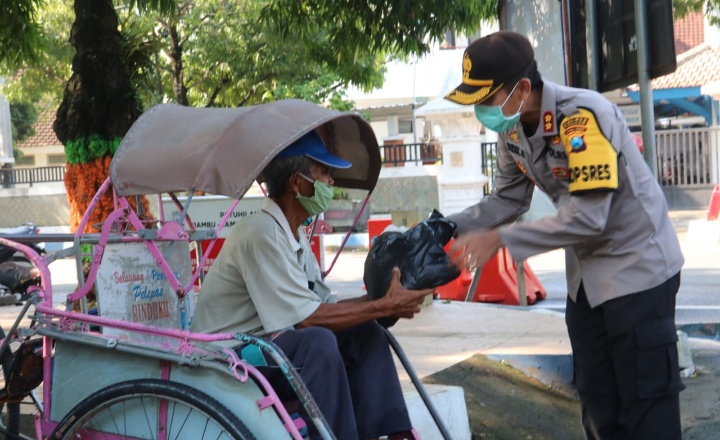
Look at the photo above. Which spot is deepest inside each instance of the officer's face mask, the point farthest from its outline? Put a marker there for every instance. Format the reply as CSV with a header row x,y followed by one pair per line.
x,y
320,201
493,118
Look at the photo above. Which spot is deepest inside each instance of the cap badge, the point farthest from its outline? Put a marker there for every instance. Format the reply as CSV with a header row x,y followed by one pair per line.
x,y
467,66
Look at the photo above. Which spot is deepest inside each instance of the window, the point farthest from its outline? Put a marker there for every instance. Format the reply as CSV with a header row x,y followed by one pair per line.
x,y
26,160
56,159
405,127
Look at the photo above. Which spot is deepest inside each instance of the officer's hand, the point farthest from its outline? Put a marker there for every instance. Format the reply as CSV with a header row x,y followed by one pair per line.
x,y
402,302
472,250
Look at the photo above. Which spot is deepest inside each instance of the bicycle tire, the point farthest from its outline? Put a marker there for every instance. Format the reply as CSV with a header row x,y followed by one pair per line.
x,y
11,426
79,420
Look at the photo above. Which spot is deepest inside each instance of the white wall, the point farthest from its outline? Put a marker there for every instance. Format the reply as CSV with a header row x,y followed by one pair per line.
x,y
6,151
41,155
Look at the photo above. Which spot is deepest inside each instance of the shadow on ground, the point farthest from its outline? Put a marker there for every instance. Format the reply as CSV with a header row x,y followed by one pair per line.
x,y
505,404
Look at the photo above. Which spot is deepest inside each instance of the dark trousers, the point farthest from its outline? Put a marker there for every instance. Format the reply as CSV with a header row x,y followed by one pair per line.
x,y
352,377
626,364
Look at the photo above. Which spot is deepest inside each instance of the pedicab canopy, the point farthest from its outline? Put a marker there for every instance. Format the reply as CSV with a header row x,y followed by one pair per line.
x,y
172,148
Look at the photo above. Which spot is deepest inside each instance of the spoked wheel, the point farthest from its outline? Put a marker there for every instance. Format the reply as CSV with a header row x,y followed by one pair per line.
x,y
150,409
10,422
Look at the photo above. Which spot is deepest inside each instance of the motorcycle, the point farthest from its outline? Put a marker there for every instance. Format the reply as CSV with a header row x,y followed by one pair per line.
x,y
17,272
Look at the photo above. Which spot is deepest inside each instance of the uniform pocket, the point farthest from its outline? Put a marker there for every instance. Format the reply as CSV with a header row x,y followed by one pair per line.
x,y
658,371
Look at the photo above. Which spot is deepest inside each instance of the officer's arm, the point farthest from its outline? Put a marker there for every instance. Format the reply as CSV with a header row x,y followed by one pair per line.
x,y
510,199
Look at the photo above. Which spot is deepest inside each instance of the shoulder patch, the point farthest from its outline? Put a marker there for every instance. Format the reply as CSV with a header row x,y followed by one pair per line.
x,y
548,122
592,160
514,136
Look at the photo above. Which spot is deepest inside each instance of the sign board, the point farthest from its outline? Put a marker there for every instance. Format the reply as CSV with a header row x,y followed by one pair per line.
x,y
207,211
617,42
632,114
132,287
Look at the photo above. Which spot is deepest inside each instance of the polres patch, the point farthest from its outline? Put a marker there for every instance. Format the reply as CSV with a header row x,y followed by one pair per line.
x,y
592,159
522,167
561,173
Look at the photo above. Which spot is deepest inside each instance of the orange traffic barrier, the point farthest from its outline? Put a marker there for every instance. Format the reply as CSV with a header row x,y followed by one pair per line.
x,y
498,283
376,226
714,207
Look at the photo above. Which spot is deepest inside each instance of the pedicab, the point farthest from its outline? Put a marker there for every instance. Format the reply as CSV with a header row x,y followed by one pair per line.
x,y
127,365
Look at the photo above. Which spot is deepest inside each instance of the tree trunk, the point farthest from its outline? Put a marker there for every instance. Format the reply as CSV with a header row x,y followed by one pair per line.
x,y
98,107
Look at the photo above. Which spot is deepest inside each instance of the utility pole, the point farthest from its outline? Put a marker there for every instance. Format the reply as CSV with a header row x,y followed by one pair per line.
x,y
647,111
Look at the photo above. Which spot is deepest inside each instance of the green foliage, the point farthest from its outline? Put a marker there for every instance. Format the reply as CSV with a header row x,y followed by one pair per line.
x,y
340,193
43,79
354,27
23,116
233,53
230,58
147,6
712,9
20,35
83,150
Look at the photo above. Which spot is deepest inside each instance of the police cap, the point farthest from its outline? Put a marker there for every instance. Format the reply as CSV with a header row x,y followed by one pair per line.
x,y
488,63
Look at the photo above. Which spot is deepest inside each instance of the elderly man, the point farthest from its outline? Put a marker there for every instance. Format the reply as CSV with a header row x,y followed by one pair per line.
x,y
266,282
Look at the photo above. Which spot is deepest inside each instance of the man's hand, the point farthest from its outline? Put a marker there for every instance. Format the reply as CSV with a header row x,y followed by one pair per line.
x,y
404,303
474,249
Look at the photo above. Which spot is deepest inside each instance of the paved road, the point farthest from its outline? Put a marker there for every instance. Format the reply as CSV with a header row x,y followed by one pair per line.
x,y
698,300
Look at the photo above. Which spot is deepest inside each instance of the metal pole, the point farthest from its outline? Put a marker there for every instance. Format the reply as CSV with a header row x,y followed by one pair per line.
x,y
522,287
418,385
592,52
647,110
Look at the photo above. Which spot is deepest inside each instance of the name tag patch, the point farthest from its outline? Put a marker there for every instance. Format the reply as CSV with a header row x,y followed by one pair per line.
x,y
561,173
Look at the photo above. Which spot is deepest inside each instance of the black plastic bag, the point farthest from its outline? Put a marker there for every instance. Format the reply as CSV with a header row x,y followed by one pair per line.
x,y
419,254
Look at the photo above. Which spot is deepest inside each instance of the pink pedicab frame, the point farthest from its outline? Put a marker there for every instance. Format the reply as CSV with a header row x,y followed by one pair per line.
x,y
218,151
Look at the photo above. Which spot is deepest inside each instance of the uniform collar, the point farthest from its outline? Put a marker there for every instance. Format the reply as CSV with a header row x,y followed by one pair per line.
x,y
548,112
273,209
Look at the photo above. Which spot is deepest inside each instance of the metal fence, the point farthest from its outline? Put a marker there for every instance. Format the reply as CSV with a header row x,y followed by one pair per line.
x,y
687,158
418,154
17,176
488,154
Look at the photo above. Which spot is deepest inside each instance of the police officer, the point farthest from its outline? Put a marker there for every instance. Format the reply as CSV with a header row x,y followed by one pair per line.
x,y
623,258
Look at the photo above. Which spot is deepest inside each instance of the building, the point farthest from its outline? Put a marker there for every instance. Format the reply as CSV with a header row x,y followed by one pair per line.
x,y
43,149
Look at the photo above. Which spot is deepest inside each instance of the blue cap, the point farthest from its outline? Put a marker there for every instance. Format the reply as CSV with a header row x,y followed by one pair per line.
x,y
312,146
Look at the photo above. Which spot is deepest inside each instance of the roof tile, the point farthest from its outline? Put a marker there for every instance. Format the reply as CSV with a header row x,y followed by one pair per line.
x,y
44,134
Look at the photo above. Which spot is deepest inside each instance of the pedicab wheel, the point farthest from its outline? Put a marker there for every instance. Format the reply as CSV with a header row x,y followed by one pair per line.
x,y
150,409
10,423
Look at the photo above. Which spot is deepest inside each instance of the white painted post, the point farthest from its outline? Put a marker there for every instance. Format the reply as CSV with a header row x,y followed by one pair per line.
x,y
461,180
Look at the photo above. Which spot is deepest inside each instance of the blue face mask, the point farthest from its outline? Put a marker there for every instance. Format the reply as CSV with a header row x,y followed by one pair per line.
x,y
493,118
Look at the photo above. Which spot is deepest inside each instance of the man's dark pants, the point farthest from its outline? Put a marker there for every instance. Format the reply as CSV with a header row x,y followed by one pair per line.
x,y
626,364
352,377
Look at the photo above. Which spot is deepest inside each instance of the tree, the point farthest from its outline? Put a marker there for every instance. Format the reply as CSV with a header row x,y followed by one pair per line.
x,y
216,53
343,38
353,27
23,116
711,7
98,107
